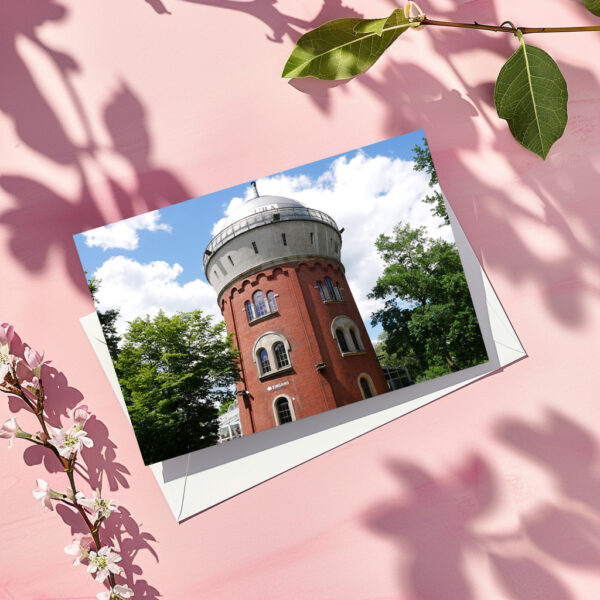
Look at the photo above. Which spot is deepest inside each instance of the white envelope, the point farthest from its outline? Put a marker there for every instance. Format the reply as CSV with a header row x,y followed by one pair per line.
x,y
196,481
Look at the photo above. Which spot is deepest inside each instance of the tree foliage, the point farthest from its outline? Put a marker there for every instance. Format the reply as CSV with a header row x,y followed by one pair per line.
x,y
174,373
428,316
424,162
224,407
108,320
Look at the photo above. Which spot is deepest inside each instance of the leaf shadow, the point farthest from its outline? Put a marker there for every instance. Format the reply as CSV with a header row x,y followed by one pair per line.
x,y
438,522
281,24
40,129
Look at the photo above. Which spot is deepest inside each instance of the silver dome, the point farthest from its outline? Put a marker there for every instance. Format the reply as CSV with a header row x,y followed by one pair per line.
x,y
258,205
261,211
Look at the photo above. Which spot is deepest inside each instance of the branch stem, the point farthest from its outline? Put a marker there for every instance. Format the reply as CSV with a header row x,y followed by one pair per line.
x,y
507,29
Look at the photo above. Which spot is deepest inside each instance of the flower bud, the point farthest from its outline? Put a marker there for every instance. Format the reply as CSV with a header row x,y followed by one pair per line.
x,y
34,360
79,414
7,333
42,436
413,12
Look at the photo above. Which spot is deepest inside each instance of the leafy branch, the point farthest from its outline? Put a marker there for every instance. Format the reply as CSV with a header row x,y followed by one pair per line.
x,y
530,94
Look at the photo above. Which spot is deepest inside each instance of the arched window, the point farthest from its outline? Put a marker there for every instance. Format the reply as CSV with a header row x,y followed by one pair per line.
x,y
271,354
347,333
281,357
249,310
338,292
263,359
341,338
260,306
282,409
329,287
271,301
354,339
365,386
321,291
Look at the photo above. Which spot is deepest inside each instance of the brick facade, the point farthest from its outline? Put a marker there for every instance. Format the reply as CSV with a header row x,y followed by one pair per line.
x,y
304,320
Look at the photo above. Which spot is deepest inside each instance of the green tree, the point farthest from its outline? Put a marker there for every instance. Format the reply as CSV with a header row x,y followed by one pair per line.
x,y
108,320
174,373
428,316
424,162
408,357
225,405
385,358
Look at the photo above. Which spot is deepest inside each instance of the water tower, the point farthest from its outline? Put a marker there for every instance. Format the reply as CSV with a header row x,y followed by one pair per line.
x,y
282,289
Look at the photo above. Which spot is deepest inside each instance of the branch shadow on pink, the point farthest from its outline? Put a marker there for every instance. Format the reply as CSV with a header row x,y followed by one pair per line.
x,y
41,124
280,23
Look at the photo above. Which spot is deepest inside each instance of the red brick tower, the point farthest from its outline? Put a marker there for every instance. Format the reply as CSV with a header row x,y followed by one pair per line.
x,y
283,292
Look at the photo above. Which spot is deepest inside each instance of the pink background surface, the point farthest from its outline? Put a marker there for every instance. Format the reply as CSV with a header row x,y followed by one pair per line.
x,y
109,109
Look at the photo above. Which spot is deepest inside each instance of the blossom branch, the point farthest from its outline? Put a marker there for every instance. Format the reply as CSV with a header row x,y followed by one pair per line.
x,y
65,443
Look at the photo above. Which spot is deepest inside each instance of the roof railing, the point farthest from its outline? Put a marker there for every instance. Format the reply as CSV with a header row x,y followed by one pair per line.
x,y
249,222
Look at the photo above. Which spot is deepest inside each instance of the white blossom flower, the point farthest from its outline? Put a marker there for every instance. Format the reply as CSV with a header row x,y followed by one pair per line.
x,y
78,496
4,367
69,441
6,359
6,363
103,562
122,592
79,547
31,389
9,431
42,492
101,508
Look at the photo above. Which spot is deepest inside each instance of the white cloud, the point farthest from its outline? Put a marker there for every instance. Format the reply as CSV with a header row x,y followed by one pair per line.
x,y
367,196
138,289
124,234
231,208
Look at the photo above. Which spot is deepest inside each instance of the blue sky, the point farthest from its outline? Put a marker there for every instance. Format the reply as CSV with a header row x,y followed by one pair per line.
x,y
161,253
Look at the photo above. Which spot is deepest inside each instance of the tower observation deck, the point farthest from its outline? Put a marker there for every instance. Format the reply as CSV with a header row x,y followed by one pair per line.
x,y
265,231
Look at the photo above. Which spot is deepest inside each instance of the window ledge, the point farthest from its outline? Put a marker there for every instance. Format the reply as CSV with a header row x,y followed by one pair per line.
x,y
272,374
334,302
354,353
275,313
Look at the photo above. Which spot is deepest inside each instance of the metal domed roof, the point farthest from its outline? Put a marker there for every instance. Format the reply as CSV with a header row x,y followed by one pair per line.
x,y
258,205
261,211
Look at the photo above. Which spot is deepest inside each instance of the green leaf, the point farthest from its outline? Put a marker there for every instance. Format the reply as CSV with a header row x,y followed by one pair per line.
x,y
531,94
344,48
593,6
371,26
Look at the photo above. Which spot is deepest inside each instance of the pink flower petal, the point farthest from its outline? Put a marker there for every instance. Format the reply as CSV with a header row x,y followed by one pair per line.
x,y
7,333
33,357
